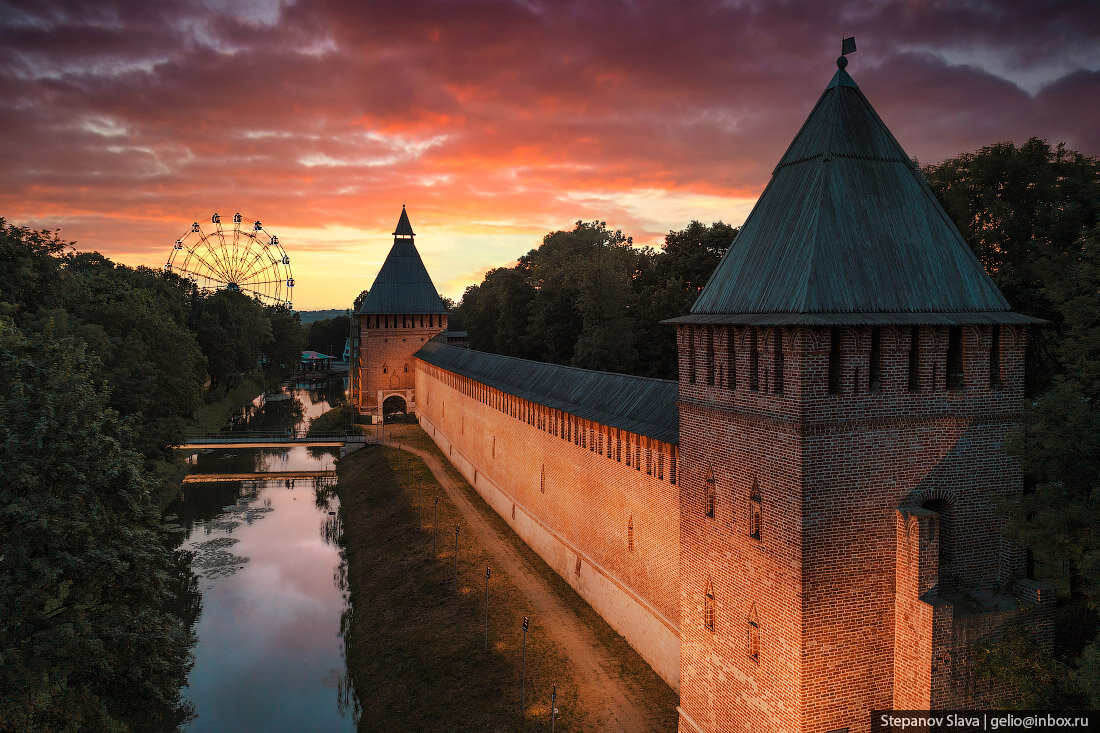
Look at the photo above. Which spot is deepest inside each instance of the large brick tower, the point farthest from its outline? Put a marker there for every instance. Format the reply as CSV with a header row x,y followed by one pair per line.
x,y
401,312
846,379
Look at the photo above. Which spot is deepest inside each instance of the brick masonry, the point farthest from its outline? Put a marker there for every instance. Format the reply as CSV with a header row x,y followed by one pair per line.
x,y
599,505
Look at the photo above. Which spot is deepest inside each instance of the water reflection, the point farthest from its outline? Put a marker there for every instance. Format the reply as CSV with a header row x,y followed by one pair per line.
x,y
270,654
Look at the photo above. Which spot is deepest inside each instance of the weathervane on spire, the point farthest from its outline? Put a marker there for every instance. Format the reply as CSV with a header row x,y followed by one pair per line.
x,y
847,46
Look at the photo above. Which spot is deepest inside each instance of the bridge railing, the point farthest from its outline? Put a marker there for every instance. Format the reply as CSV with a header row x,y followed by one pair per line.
x,y
275,437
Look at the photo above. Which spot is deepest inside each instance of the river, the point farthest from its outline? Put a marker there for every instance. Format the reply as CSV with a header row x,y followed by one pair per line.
x,y
269,655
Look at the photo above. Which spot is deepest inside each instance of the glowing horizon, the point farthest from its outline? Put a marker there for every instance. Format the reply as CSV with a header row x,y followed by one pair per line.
x,y
495,122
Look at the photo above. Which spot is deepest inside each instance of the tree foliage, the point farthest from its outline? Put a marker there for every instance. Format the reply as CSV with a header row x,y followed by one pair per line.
x,y
92,636
101,369
589,298
1032,216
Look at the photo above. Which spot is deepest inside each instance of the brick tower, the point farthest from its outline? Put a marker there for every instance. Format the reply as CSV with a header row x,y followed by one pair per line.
x,y
401,312
846,379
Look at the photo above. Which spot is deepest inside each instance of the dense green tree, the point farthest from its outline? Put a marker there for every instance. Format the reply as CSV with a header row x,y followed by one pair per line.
x,y
1023,211
328,335
288,339
91,637
233,331
30,277
588,297
1032,216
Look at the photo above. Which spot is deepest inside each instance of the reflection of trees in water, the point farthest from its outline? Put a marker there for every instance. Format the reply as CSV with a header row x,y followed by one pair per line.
x,y
332,532
274,416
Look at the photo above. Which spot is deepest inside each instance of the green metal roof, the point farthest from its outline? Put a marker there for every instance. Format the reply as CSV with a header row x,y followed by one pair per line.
x,y
404,227
638,405
403,284
848,231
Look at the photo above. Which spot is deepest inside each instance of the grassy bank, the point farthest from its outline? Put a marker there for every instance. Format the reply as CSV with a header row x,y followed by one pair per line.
x,y
333,421
416,647
210,417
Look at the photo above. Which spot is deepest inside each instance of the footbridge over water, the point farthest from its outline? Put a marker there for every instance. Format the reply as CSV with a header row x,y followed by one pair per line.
x,y
276,440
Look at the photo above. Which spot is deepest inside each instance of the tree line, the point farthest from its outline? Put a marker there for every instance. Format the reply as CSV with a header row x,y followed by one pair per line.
x,y
101,369
1031,213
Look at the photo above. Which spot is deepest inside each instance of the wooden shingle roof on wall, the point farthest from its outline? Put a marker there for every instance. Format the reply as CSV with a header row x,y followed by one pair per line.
x,y
639,405
847,229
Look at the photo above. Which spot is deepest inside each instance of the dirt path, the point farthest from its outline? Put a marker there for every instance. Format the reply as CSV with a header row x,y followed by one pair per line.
x,y
615,703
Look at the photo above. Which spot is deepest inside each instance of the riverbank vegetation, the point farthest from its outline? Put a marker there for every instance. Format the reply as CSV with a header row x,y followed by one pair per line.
x,y
102,370
416,647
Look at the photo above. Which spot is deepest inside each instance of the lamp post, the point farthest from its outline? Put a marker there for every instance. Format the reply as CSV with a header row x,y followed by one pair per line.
x,y
456,558
553,705
435,530
486,608
523,673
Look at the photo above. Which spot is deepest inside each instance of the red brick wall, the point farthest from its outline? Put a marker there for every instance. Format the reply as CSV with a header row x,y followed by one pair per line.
x,y
572,477
832,470
386,347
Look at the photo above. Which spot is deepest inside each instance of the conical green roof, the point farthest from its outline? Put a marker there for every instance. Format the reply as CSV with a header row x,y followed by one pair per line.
x,y
848,231
404,228
403,284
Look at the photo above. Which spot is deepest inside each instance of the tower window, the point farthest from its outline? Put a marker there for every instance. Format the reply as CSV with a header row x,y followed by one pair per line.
x,y
914,359
708,607
660,466
712,366
754,362
711,494
874,364
406,369
691,354
385,369
942,508
777,384
954,358
637,457
618,447
834,361
995,358
752,636
630,534
754,511
672,467
542,479
731,359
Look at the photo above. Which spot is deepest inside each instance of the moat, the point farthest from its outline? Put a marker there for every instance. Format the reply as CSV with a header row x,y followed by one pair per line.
x,y
270,653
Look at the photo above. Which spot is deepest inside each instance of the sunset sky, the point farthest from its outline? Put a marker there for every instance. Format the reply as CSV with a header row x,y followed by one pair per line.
x,y
494,121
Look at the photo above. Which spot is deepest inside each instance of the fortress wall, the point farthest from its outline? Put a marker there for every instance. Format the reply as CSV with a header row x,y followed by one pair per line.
x,y
599,505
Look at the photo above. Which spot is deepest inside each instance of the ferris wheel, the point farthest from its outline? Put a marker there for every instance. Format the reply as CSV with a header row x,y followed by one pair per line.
x,y
241,257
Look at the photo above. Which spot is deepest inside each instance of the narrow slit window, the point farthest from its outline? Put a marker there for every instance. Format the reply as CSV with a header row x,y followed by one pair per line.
x,y
672,467
542,479
777,383
661,466
755,506
754,362
874,362
648,462
731,359
691,354
712,365
711,494
914,359
618,448
637,457
995,358
954,358
834,361
708,607
752,636
630,535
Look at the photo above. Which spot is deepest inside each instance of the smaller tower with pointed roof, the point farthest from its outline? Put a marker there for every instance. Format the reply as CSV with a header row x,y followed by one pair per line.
x,y
401,312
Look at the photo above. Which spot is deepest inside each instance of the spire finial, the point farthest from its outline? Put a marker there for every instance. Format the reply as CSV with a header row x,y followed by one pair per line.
x,y
847,46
